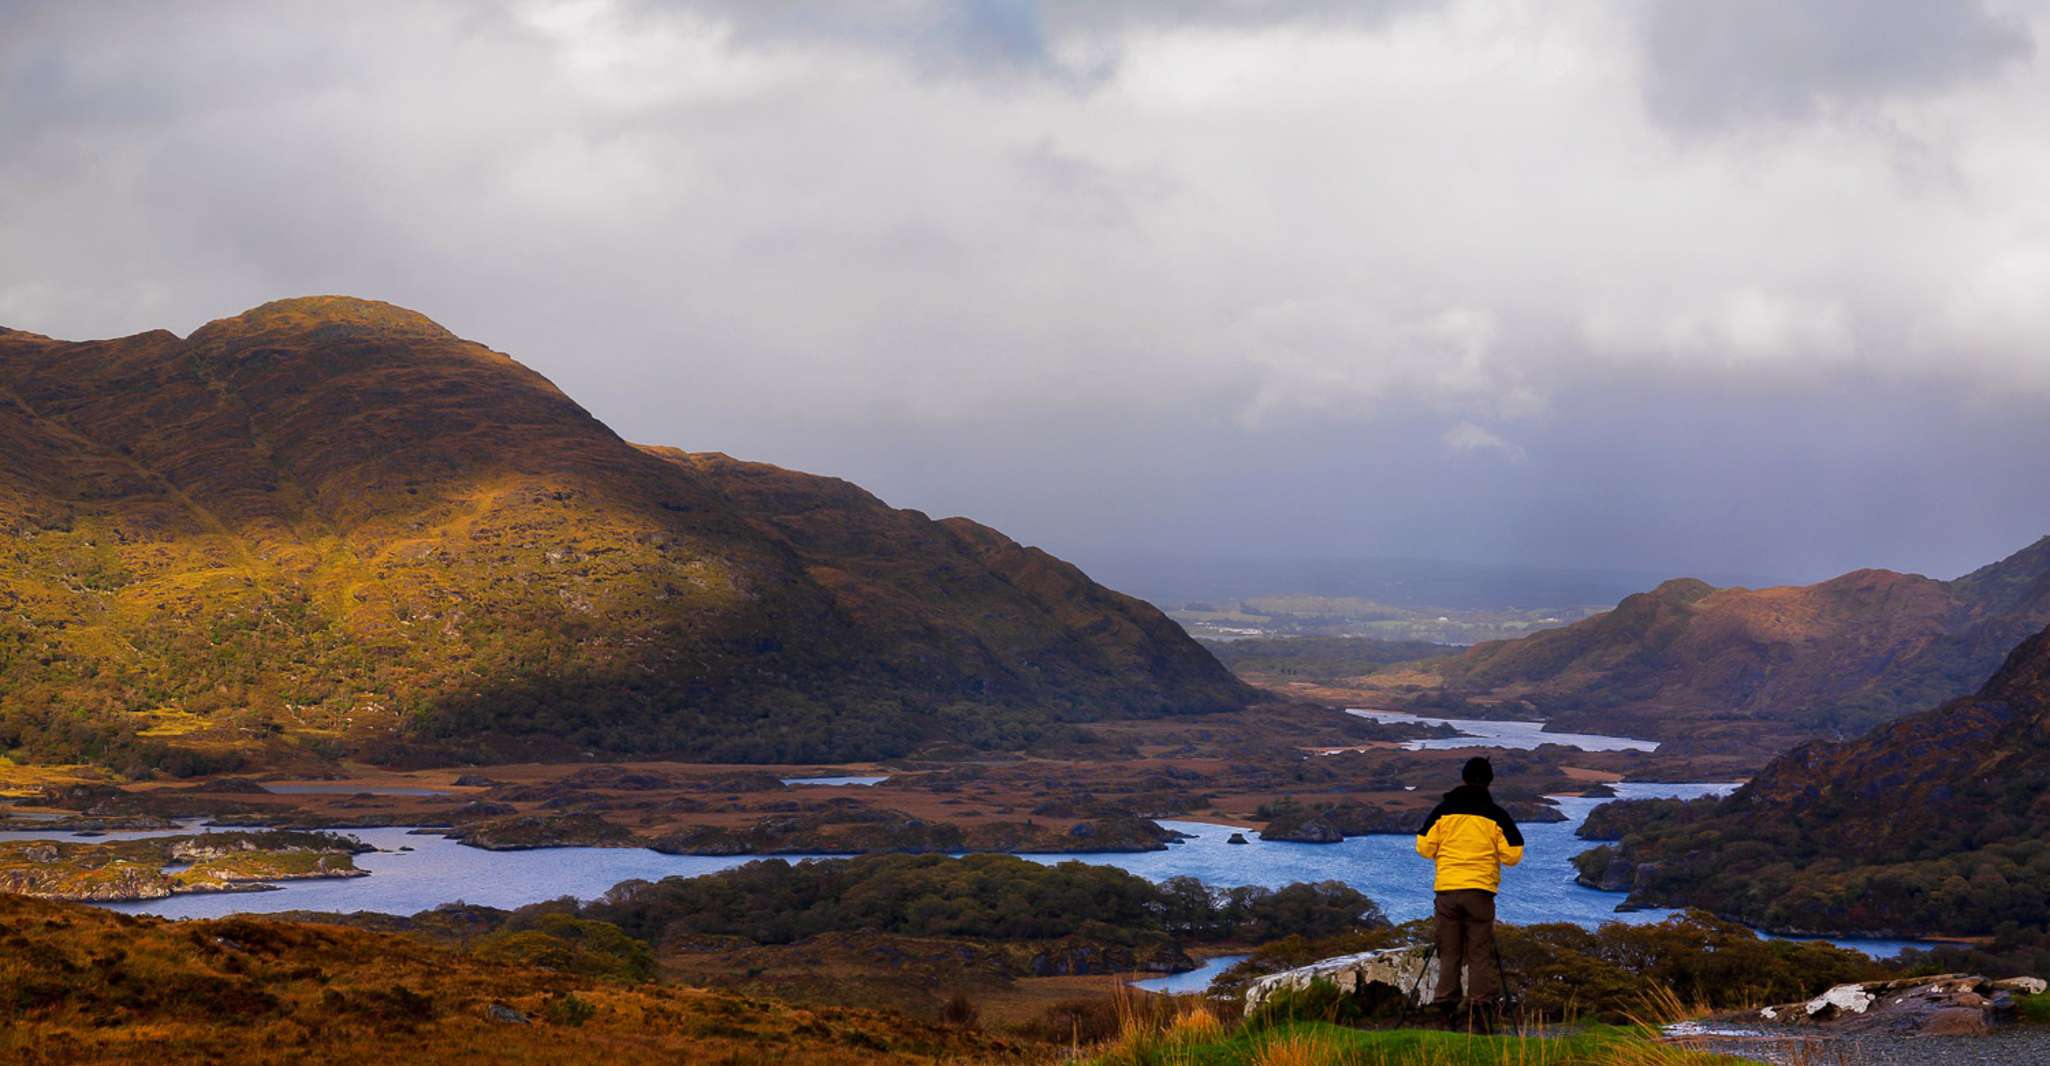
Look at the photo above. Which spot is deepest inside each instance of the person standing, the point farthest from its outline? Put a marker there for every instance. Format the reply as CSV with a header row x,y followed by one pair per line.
x,y
1471,839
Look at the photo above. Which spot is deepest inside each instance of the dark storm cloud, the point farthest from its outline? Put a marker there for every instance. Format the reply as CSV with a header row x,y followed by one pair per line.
x,y
1714,65
1222,279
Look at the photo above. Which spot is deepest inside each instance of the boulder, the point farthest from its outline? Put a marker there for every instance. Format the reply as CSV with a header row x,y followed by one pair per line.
x,y
1406,973
1302,829
1943,1005
1237,838
2027,986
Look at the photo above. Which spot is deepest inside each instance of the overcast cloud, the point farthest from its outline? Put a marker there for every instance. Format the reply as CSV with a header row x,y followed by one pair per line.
x,y
1757,287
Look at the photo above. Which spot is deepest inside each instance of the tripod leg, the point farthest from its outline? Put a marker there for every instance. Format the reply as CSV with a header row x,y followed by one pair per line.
x,y
1508,993
1419,997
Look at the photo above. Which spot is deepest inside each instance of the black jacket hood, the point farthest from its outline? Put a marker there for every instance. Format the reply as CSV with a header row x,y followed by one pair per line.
x,y
1475,799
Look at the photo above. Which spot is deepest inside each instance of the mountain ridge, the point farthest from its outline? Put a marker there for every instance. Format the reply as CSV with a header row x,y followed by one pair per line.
x,y
328,526
1929,824
1697,665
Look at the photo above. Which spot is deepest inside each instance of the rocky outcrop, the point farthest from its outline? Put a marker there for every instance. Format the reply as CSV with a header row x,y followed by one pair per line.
x,y
1606,869
1398,973
524,831
135,869
1943,1005
1302,826
1529,812
103,884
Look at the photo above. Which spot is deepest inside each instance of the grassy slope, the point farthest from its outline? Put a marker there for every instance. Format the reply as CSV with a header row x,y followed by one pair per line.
x,y
82,985
1322,1044
329,526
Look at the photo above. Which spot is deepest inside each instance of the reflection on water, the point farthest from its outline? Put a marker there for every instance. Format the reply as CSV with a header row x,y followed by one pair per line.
x,y
1482,733
1386,868
844,780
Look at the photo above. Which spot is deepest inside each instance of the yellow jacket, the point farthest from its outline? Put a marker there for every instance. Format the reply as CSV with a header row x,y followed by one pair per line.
x,y
1471,839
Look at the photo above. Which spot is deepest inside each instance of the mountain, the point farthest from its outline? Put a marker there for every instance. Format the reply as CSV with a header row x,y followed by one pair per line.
x,y
1763,668
1930,824
329,527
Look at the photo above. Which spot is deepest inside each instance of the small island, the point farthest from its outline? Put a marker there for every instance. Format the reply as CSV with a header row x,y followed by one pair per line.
x,y
156,867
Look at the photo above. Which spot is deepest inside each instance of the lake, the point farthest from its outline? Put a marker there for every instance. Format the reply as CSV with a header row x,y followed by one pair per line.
x,y
1487,733
1387,868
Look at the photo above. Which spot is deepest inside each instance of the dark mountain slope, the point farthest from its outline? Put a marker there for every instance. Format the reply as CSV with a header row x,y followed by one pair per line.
x,y
975,611
329,525
1930,824
1696,664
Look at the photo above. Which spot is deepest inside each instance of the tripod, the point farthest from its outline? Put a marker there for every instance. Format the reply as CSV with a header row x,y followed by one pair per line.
x,y
1508,994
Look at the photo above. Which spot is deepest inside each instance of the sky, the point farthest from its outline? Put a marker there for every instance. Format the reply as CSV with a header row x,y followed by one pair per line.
x,y
1756,286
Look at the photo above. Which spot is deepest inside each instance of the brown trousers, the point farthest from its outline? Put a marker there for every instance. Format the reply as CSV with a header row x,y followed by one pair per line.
x,y
1466,934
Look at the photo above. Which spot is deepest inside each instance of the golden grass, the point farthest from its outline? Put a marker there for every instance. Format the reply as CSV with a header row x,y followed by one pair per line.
x,y
172,722
1195,1025
88,986
28,780
1295,1048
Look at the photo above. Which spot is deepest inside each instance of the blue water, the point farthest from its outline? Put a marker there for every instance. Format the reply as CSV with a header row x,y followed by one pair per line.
x,y
1386,868
1192,981
1484,733
835,780
437,871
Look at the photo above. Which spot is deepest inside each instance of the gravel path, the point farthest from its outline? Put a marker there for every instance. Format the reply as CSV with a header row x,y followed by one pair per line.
x,y
2018,1046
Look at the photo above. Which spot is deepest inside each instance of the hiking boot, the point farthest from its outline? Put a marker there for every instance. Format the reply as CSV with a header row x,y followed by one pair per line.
x,y
1445,1016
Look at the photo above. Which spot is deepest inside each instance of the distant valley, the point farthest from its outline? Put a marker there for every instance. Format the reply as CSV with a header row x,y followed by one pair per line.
x,y
1302,615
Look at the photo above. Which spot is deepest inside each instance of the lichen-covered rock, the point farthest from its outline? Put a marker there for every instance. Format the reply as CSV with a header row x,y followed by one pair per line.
x,y
1408,972
1943,1005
